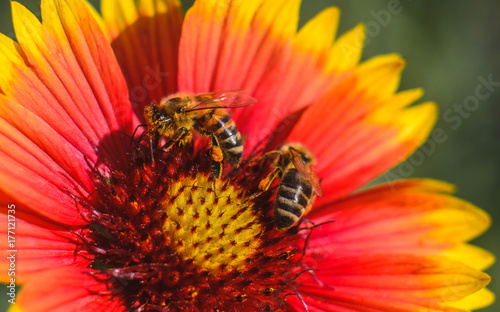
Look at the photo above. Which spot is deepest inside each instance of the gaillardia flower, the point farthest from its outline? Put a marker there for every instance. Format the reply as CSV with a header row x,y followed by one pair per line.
x,y
112,216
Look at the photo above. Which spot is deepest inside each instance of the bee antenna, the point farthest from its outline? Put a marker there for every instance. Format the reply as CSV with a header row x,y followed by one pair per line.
x,y
297,293
315,278
314,225
151,148
133,133
283,301
79,202
126,134
300,273
311,228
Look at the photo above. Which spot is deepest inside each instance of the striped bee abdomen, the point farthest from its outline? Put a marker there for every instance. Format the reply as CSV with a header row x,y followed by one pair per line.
x,y
292,199
228,137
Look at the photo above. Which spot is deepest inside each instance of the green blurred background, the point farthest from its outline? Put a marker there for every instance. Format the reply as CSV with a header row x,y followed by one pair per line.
x,y
448,46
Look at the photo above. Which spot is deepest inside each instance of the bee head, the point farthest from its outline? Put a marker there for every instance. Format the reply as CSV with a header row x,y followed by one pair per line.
x,y
157,120
306,155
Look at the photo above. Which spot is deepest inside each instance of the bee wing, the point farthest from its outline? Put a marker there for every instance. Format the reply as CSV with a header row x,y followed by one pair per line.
x,y
223,99
306,170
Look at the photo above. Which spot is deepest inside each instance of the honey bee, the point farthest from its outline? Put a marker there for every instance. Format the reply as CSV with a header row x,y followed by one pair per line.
x,y
176,115
293,164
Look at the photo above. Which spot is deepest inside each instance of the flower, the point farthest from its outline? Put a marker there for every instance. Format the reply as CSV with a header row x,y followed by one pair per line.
x,y
106,222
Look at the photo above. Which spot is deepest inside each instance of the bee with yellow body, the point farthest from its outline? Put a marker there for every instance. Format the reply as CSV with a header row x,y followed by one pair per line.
x,y
178,114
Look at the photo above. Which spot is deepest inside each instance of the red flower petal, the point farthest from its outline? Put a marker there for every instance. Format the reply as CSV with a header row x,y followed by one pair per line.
x,y
36,249
415,216
39,166
74,71
63,97
388,282
26,213
65,289
253,45
387,249
145,40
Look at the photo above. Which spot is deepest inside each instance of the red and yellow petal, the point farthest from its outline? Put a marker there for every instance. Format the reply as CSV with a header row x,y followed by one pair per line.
x,y
254,45
145,38
360,128
65,289
406,218
63,100
412,233
390,282
35,249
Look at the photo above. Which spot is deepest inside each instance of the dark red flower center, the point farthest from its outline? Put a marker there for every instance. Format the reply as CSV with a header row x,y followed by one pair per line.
x,y
165,236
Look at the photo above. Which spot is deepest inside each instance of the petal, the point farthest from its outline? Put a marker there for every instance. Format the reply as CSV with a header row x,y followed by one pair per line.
x,y
414,217
64,289
212,29
14,308
35,248
379,77
477,300
346,52
145,39
470,255
76,71
388,282
98,18
254,45
26,213
63,100
360,129
317,34
396,247
39,166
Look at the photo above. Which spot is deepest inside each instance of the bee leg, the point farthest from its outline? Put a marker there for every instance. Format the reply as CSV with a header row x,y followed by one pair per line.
x,y
265,183
216,171
266,156
133,142
151,148
217,158
178,135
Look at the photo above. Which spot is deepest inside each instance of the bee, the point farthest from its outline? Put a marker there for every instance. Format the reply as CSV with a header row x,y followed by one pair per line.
x,y
178,114
294,198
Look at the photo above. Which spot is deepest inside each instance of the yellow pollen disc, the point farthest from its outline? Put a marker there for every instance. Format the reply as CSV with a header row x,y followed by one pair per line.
x,y
213,231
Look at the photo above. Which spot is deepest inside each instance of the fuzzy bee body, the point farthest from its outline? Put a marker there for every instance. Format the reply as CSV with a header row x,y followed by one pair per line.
x,y
293,199
220,124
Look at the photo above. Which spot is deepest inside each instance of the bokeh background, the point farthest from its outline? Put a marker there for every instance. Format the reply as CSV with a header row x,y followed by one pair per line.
x,y
449,48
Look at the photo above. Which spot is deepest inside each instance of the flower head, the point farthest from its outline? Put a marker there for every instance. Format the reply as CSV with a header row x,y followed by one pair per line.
x,y
121,210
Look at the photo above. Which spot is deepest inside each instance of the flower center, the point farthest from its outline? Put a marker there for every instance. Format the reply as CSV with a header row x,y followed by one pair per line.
x,y
166,236
214,230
